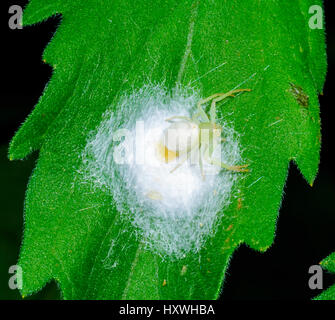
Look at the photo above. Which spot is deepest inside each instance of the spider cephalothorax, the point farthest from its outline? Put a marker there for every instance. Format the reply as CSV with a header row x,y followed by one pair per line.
x,y
200,134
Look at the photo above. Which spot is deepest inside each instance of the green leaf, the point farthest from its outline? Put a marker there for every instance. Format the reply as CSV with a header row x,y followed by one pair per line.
x,y
104,50
329,265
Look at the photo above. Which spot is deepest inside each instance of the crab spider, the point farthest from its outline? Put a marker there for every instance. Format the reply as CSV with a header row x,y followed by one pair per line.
x,y
185,135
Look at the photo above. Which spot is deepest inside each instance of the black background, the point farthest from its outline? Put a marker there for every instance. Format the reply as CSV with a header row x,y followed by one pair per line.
x,y
305,229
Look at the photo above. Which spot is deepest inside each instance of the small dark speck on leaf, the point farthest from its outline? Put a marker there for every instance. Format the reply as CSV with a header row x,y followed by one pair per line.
x,y
239,203
299,94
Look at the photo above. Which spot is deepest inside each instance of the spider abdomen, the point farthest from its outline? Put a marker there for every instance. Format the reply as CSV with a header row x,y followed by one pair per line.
x,y
181,136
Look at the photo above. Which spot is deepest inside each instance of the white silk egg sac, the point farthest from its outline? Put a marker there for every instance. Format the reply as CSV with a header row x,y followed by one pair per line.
x,y
172,212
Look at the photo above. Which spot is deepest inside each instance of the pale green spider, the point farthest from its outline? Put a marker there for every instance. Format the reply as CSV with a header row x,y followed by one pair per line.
x,y
188,132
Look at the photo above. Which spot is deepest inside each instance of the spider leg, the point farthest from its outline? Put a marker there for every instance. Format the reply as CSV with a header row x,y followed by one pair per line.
x,y
212,110
219,97
213,96
201,163
180,162
228,167
178,118
201,113
223,165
